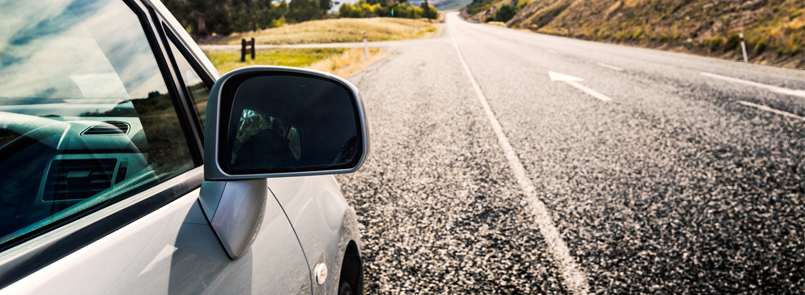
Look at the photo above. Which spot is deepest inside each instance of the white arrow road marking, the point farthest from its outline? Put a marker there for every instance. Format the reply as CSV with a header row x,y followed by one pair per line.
x,y
573,81
781,90
611,67
768,109
574,278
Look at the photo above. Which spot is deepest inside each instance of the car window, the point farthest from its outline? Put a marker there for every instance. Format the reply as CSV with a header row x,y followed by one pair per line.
x,y
86,118
196,89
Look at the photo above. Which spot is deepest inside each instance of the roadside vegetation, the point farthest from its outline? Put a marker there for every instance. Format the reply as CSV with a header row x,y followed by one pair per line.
x,y
774,29
337,30
333,60
375,8
277,22
204,18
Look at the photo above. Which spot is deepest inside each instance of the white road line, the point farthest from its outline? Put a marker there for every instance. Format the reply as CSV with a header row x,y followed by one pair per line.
x,y
575,280
610,67
781,90
768,109
573,81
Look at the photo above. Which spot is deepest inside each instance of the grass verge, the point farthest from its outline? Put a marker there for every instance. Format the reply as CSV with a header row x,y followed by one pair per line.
x,y
339,61
337,30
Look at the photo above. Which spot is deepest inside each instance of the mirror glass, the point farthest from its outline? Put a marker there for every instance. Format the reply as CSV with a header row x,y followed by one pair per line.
x,y
288,122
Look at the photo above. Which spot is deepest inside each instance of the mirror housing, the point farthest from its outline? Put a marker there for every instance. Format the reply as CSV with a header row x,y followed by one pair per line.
x,y
320,115
271,121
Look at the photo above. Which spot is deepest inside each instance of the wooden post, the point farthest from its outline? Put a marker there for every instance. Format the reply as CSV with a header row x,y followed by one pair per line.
x,y
252,48
242,50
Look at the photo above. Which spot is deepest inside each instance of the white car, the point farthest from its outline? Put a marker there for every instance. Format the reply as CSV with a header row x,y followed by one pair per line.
x,y
128,166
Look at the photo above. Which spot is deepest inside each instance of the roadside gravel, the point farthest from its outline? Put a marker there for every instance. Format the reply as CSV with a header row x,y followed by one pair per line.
x,y
440,209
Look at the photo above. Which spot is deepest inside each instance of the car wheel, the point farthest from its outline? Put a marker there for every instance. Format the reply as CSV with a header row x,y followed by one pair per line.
x,y
344,289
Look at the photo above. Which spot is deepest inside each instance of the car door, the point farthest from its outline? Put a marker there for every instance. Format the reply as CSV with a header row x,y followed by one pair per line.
x,y
100,163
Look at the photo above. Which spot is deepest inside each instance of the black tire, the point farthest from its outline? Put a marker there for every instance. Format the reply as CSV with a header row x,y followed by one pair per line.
x,y
344,289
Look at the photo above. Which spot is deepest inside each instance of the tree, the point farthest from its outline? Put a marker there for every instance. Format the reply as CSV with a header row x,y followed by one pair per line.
x,y
304,10
344,10
325,6
428,11
251,15
505,13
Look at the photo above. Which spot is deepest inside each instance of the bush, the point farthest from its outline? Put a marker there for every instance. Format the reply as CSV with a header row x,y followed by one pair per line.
x,y
791,50
636,35
761,46
477,6
505,13
733,42
715,43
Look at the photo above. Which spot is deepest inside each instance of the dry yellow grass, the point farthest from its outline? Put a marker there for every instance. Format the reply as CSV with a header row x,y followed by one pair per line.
x,y
338,30
350,62
339,61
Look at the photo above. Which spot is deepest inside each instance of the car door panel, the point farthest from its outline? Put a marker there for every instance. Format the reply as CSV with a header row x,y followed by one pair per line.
x,y
173,251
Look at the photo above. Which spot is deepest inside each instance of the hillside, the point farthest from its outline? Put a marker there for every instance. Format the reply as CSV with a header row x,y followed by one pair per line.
x,y
773,28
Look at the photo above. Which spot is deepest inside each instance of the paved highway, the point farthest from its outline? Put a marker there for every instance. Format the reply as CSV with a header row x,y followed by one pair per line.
x,y
517,163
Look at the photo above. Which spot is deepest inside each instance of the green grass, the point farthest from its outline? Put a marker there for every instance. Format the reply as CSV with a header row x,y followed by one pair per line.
x,y
226,61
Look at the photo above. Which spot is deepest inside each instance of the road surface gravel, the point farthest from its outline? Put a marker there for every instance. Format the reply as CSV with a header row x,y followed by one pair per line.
x,y
672,187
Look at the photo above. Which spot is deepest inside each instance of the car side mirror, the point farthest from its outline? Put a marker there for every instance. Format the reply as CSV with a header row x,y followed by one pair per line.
x,y
269,121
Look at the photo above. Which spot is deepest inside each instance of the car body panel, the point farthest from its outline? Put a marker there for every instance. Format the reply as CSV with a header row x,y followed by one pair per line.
x,y
174,251
323,220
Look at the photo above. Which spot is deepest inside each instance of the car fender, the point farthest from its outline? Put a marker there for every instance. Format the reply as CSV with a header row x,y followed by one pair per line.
x,y
323,221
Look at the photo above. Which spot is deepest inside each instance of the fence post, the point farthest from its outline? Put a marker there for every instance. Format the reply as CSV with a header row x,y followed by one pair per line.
x,y
252,48
242,50
743,47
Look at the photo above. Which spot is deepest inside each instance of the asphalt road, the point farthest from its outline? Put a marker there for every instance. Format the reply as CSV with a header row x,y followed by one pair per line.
x,y
659,172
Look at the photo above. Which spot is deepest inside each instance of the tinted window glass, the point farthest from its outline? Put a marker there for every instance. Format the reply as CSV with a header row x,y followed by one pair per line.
x,y
85,116
198,91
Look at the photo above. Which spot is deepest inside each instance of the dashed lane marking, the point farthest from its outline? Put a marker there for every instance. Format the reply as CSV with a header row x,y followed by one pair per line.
x,y
768,109
781,90
611,67
574,278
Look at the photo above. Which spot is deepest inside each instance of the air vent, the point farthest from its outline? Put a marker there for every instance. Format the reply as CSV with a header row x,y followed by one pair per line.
x,y
116,127
78,179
